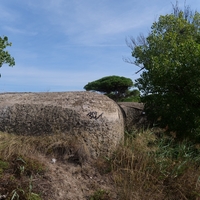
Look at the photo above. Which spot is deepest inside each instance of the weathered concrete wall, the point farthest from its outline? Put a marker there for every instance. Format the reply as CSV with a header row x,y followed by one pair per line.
x,y
134,116
93,117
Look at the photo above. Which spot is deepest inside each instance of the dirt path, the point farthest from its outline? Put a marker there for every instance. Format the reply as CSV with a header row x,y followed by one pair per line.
x,y
69,181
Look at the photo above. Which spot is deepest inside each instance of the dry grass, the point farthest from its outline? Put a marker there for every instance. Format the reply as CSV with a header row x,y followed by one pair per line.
x,y
58,145
23,156
146,167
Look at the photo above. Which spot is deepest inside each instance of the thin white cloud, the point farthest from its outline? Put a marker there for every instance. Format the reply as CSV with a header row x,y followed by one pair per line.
x,y
8,14
19,31
89,23
23,77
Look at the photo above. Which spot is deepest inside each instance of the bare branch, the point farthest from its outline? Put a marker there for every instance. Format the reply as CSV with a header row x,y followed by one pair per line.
x,y
128,60
131,43
187,12
176,9
140,70
142,40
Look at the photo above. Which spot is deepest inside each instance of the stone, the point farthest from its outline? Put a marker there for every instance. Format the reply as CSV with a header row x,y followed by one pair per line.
x,y
94,118
134,116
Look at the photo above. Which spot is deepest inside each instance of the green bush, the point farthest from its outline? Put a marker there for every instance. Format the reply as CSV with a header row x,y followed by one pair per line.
x,y
169,83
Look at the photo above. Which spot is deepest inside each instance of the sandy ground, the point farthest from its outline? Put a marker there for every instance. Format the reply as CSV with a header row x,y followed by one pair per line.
x,y
70,181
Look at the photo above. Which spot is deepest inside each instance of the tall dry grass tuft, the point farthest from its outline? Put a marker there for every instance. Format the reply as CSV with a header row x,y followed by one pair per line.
x,y
59,146
133,168
151,167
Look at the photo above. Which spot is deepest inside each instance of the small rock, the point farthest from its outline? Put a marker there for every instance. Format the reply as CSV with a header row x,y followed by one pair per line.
x,y
53,160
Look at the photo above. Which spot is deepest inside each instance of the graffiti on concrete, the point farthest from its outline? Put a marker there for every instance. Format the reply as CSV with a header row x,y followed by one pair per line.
x,y
94,115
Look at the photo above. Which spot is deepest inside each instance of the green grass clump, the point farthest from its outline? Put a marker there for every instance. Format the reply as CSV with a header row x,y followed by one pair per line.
x,y
100,195
3,166
16,179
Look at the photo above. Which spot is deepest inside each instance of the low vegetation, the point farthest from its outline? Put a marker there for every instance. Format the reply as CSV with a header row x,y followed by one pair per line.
x,y
148,165
152,166
23,167
100,195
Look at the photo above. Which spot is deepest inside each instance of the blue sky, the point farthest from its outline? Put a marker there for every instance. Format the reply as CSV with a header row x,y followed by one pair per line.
x,y
61,45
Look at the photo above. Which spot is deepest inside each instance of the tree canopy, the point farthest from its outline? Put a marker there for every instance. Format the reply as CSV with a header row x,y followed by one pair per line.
x,y
114,86
170,81
5,57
